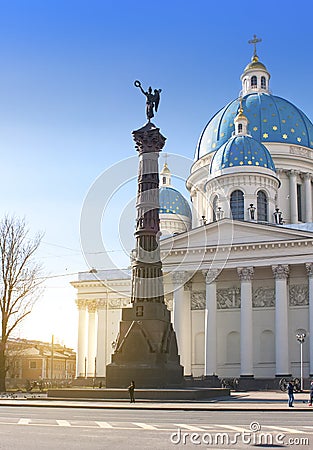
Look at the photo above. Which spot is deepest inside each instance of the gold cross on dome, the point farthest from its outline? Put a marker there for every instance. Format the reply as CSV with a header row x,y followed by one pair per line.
x,y
254,41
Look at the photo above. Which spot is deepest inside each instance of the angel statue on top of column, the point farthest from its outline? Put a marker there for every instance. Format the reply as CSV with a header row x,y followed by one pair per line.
x,y
152,99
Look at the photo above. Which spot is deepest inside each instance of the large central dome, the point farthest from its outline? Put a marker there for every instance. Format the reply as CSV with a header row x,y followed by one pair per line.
x,y
271,119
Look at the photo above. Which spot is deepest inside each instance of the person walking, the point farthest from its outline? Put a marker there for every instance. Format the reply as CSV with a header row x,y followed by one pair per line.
x,y
131,390
311,394
290,390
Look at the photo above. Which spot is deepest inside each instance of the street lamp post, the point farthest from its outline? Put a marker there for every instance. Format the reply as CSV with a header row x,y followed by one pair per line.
x,y
301,334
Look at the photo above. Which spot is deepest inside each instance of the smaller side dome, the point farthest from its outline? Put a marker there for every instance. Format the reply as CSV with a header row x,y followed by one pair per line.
x,y
241,151
173,202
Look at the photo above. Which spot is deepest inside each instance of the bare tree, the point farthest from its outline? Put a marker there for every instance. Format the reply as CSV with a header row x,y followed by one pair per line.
x,y
20,280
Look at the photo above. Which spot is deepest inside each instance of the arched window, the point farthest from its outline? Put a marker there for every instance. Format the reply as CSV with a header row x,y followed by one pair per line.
x,y
164,180
239,127
263,83
214,207
237,205
262,206
254,81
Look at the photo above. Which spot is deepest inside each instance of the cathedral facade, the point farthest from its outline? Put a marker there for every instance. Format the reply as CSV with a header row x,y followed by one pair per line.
x,y
238,264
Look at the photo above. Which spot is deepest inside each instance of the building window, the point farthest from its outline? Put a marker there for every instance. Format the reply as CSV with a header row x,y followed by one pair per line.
x,y
262,206
263,83
237,205
299,201
240,128
32,365
164,180
254,81
214,206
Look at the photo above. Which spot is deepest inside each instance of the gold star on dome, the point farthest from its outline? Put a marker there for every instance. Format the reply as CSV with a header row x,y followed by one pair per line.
x,y
265,120
257,163
265,135
285,136
231,124
299,139
214,145
249,162
275,128
255,128
241,163
283,121
222,134
292,130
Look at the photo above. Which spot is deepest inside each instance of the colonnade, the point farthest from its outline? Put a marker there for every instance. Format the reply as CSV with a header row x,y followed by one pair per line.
x,y
92,342
92,350
293,195
280,273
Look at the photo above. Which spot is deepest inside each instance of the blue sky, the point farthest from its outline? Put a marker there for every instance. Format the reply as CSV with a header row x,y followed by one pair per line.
x,y
68,105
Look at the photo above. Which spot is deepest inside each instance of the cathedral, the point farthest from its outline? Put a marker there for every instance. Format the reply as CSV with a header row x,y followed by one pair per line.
x,y
237,259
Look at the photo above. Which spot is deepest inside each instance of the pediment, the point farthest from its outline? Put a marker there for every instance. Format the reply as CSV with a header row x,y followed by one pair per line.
x,y
233,232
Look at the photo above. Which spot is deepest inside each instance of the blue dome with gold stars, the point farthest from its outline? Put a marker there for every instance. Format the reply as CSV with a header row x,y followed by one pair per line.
x,y
241,151
173,202
271,119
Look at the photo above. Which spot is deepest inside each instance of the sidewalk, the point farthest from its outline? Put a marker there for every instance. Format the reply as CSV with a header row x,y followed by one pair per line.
x,y
238,401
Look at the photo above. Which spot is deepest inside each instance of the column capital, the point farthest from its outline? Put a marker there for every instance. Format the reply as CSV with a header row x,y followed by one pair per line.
x,y
81,303
101,303
179,278
245,273
309,269
293,173
210,275
92,306
281,271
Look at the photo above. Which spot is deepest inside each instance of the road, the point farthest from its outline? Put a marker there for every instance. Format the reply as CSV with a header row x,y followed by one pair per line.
x,y
30,428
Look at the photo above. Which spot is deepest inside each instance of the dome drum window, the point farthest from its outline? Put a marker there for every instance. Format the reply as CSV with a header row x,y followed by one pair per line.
x,y
237,205
263,83
262,206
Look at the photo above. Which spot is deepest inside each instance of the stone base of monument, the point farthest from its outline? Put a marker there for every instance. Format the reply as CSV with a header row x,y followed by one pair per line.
x,y
140,394
146,350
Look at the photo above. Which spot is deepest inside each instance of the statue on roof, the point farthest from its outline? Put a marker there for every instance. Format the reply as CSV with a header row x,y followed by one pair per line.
x,y
152,99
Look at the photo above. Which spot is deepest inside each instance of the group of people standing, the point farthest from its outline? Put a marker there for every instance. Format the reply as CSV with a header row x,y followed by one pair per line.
x,y
291,398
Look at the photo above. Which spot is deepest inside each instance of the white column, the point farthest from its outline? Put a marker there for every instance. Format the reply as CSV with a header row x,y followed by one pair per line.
x,y
246,322
179,279
281,273
293,201
309,268
308,197
210,328
82,338
186,341
91,338
101,338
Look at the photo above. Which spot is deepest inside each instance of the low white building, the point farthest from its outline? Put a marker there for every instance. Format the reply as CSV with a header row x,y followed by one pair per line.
x,y
238,272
